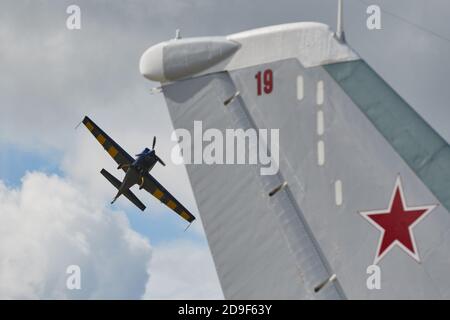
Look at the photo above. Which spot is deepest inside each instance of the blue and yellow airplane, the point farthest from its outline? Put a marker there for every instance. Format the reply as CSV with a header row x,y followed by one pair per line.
x,y
136,172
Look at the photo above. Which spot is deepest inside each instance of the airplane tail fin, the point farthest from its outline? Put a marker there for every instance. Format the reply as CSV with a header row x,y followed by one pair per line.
x,y
348,146
130,195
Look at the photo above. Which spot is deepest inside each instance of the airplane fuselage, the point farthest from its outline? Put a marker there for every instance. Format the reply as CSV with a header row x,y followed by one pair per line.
x,y
144,162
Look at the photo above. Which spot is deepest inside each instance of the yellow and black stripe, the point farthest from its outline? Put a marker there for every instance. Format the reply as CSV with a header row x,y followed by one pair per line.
x,y
160,193
115,151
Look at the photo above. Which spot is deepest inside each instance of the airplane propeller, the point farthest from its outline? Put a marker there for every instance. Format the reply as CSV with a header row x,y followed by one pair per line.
x,y
160,161
153,148
153,152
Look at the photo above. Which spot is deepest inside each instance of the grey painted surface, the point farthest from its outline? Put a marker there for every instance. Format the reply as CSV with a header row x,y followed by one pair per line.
x,y
358,155
259,246
418,144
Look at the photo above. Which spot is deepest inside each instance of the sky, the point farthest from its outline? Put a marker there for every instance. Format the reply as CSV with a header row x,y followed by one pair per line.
x,y
54,204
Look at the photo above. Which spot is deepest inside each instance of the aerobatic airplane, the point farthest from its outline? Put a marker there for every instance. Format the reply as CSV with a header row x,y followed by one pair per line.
x,y
136,172
363,183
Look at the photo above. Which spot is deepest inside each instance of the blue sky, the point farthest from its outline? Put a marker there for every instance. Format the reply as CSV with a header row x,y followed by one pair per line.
x,y
16,161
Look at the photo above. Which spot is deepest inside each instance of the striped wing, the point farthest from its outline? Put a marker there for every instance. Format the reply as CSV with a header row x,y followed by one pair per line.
x,y
119,155
160,193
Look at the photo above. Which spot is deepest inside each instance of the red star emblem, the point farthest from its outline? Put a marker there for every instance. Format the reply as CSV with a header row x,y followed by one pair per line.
x,y
396,224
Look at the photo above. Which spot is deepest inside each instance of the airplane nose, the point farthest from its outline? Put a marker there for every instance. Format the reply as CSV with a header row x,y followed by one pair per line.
x,y
151,63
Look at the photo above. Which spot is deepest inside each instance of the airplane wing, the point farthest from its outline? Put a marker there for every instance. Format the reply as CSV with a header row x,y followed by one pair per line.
x,y
354,160
119,155
152,186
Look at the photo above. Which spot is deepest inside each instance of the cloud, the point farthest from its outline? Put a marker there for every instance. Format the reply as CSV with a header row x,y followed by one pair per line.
x,y
47,225
54,78
182,270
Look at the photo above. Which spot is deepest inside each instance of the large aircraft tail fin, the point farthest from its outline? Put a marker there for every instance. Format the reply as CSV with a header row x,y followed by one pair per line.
x,y
353,156
358,203
130,195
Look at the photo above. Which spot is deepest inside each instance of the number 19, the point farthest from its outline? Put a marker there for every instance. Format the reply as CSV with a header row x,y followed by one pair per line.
x,y
264,81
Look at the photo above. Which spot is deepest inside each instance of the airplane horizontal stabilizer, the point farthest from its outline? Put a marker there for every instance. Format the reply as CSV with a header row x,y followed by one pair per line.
x,y
130,195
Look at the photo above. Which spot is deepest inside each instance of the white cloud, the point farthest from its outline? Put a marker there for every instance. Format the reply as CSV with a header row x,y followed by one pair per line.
x,y
182,270
47,225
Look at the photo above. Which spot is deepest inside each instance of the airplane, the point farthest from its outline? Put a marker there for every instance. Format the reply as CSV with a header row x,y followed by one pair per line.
x,y
363,187
136,172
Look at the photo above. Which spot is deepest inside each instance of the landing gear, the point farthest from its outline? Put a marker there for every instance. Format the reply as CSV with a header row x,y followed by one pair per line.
x,y
141,184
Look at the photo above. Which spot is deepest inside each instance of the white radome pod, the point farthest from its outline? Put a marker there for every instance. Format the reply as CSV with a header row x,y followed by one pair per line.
x,y
176,59
151,63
